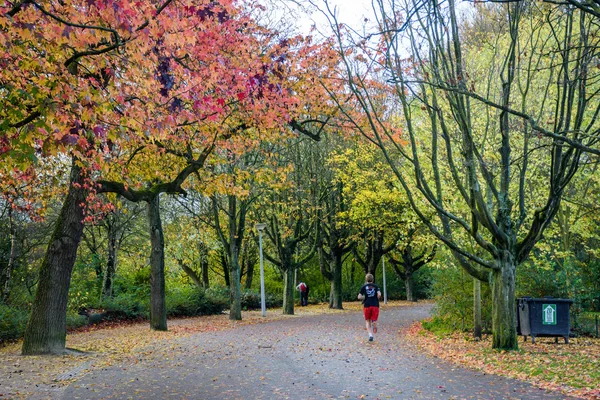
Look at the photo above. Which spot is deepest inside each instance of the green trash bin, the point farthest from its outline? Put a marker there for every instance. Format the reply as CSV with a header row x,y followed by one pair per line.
x,y
544,317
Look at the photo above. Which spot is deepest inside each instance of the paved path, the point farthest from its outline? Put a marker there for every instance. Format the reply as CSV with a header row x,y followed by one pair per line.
x,y
303,357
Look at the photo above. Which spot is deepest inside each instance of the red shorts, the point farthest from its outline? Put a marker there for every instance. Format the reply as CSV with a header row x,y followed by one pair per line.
x,y
371,313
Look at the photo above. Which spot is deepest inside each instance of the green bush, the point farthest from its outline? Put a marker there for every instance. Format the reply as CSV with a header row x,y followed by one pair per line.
x,y
218,292
441,326
584,324
85,284
210,305
316,295
75,320
131,305
539,278
12,323
183,301
250,299
590,285
130,300
192,301
452,289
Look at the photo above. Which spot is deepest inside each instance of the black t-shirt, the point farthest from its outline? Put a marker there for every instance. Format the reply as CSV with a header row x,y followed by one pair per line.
x,y
369,290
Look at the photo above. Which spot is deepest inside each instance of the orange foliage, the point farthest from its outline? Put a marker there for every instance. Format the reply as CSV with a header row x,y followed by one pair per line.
x,y
125,86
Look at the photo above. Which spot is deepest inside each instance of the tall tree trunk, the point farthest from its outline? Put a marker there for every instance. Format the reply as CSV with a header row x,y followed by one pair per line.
x,y
158,307
477,328
335,295
234,247
288,291
373,263
249,274
409,284
235,311
47,327
225,266
203,252
205,281
504,323
250,259
111,264
11,258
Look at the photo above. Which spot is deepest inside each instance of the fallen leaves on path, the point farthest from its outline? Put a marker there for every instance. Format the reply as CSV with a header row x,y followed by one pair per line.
x,y
573,369
99,346
102,345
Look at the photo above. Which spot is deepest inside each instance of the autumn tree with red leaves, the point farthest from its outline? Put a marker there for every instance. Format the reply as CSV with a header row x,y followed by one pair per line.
x,y
138,95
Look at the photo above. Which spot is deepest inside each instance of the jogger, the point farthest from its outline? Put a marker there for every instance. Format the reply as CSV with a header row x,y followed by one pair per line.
x,y
370,295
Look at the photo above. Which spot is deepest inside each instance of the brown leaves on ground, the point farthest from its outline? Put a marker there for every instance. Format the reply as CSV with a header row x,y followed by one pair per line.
x,y
106,344
99,346
573,369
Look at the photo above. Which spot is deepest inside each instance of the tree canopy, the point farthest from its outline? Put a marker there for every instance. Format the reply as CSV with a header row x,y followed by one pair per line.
x,y
466,133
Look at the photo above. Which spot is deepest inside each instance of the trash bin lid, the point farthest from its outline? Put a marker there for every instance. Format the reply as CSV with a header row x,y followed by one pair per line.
x,y
544,299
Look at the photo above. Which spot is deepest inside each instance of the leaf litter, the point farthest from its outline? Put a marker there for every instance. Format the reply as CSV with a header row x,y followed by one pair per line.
x,y
99,346
572,369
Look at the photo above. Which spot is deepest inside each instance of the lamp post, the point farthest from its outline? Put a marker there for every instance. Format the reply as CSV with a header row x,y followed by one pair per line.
x,y
260,227
384,283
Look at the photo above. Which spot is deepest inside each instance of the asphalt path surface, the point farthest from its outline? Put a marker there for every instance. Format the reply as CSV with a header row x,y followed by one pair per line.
x,y
300,357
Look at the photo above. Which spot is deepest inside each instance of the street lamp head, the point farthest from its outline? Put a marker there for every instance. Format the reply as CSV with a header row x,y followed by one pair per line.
x,y
260,226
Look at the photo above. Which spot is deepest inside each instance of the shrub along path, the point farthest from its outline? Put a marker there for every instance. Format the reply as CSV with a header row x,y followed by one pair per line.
x,y
315,354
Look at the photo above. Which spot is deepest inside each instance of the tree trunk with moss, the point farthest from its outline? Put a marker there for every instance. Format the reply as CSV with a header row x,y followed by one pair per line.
x,y
47,327
158,306
335,294
288,291
504,320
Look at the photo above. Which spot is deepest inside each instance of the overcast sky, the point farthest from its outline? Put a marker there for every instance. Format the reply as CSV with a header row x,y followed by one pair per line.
x,y
350,12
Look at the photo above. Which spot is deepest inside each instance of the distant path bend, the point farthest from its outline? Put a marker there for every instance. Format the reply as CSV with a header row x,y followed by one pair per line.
x,y
301,357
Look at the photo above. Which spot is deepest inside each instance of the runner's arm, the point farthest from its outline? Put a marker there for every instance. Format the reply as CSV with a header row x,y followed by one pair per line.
x,y
361,293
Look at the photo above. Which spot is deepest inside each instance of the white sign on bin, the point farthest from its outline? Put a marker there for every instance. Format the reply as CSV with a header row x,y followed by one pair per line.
x,y
549,314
